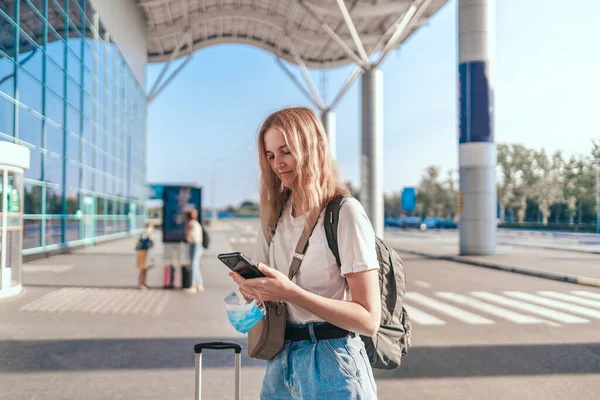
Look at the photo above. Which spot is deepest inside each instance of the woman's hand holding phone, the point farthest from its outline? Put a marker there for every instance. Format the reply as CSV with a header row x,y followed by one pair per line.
x,y
274,287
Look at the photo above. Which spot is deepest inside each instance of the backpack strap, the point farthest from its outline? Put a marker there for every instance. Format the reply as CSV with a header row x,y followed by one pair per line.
x,y
331,222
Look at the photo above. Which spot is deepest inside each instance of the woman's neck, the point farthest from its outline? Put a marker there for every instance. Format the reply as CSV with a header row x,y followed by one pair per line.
x,y
297,209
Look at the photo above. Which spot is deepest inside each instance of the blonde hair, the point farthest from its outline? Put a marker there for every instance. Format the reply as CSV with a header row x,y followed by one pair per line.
x,y
317,178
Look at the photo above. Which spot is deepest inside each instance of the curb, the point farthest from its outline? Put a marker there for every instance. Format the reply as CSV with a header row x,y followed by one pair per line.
x,y
578,280
548,247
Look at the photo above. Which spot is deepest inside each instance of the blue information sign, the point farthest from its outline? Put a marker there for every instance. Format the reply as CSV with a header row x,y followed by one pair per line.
x,y
409,199
176,200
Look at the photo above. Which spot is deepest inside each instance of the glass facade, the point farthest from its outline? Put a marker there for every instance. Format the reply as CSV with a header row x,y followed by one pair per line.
x,y
68,95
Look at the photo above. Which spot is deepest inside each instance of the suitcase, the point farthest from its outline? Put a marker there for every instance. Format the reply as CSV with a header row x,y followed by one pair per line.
x,y
237,348
186,276
169,277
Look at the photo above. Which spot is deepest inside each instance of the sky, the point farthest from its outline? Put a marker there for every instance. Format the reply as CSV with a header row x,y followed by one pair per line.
x,y
202,128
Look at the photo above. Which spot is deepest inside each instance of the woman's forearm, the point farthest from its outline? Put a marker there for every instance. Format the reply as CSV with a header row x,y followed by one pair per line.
x,y
344,314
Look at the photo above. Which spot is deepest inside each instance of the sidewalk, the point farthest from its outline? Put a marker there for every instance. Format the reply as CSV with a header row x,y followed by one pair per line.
x,y
81,330
556,264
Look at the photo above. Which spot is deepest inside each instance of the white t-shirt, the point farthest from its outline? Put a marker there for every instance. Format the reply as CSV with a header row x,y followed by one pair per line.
x,y
319,272
196,232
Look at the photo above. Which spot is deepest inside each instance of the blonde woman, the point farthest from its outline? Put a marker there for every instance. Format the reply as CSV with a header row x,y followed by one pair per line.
x,y
328,306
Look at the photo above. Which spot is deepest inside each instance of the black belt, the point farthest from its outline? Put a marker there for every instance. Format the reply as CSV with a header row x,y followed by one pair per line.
x,y
322,332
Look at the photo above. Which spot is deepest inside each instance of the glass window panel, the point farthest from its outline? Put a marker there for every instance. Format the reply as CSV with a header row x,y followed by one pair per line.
x,y
89,15
30,128
33,199
55,78
100,206
73,94
7,116
54,139
30,91
32,233
54,196
88,179
30,23
31,62
88,106
88,154
99,160
74,66
71,227
88,81
73,120
73,146
101,95
99,139
54,169
87,130
88,54
35,165
56,16
99,184
7,69
72,175
53,231
56,48
54,107
75,15
7,31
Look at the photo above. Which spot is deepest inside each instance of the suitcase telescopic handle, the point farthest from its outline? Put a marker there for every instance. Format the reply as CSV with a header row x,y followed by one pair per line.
x,y
218,346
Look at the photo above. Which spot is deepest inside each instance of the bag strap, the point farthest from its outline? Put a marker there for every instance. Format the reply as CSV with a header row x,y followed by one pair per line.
x,y
301,248
332,219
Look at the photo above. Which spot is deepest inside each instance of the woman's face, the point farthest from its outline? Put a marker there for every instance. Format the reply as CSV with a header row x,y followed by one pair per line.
x,y
279,157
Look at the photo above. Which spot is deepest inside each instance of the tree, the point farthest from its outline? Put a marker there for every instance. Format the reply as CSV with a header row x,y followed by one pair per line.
x,y
428,191
524,178
572,190
505,176
393,204
547,188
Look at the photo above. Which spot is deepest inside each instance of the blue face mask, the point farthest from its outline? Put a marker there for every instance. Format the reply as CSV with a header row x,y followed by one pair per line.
x,y
242,316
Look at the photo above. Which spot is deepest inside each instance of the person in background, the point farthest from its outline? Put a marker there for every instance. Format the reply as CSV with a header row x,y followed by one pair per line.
x,y
144,244
193,236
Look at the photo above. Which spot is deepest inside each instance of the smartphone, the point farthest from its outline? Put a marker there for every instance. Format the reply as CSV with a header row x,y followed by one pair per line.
x,y
237,262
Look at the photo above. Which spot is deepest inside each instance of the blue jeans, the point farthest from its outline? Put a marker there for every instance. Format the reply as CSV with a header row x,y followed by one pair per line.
x,y
195,255
332,369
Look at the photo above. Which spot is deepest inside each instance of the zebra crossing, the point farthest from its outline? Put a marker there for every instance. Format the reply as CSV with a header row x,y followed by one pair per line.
x,y
485,308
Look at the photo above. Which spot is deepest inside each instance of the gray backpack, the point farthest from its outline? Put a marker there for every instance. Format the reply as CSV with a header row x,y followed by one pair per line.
x,y
392,340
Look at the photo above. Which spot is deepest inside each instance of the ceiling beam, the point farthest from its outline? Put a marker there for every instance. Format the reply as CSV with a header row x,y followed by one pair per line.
x,y
360,10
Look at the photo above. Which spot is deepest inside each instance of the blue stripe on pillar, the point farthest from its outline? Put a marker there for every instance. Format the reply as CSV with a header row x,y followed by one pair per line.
x,y
475,98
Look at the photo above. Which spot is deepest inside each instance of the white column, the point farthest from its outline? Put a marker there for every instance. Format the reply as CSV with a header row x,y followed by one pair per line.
x,y
371,190
328,119
477,150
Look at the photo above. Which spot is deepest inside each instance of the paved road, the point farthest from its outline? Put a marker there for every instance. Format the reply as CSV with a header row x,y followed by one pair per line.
x,y
80,331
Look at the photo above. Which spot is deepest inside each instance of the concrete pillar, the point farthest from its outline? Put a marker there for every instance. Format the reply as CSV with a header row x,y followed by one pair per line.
x,y
328,119
371,189
476,150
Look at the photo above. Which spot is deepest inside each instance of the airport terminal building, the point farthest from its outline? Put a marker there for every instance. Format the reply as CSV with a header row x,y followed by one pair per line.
x,y
72,91
73,99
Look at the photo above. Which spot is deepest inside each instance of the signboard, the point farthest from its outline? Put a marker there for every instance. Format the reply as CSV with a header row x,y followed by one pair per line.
x,y
156,190
176,201
409,199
